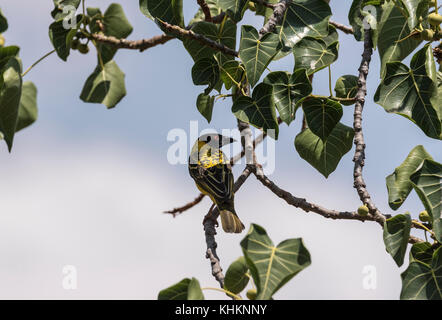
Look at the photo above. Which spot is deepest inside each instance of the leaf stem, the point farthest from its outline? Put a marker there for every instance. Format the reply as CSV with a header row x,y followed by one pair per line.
x,y
37,62
234,296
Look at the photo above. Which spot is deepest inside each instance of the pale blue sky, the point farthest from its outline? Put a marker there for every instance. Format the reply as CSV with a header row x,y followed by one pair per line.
x,y
73,145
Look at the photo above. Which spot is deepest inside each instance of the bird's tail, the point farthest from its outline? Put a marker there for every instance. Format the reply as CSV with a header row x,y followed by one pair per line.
x,y
231,222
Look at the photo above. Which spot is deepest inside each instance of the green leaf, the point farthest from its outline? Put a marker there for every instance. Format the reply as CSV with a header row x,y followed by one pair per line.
x,y
262,10
170,11
224,33
59,35
421,251
206,71
325,156
427,183
105,86
214,11
288,89
205,103
10,93
347,87
234,8
272,267
304,18
27,112
6,53
3,22
259,110
398,183
360,11
396,234
314,54
422,281
392,28
186,289
62,8
236,276
255,53
231,73
416,9
115,25
410,91
322,115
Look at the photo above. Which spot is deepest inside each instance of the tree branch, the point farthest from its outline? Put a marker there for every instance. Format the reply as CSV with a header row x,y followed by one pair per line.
x,y
343,28
141,45
178,210
198,37
359,157
276,17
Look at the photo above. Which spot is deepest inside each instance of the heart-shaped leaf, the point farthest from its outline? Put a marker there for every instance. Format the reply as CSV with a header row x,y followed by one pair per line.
x,y
396,234
398,183
313,54
361,14
427,183
206,71
27,112
322,115
410,91
204,104
170,11
105,86
234,8
259,110
325,156
236,278
186,289
10,93
256,53
346,87
304,18
393,29
224,33
272,267
422,281
288,89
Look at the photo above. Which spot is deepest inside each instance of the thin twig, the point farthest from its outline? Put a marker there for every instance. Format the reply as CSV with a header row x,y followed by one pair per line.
x,y
359,157
179,210
37,62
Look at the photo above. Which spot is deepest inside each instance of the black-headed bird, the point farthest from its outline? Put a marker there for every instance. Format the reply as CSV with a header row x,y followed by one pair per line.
x,y
213,176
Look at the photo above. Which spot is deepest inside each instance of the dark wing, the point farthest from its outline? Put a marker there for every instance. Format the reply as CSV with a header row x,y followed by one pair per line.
x,y
217,181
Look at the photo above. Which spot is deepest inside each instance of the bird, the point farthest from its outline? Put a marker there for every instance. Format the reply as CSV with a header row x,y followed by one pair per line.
x,y
213,176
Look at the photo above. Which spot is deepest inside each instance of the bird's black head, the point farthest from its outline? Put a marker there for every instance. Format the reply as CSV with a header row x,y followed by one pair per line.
x,y
215,140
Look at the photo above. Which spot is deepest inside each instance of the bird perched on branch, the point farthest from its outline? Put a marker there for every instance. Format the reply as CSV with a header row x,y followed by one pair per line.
x,y
213,176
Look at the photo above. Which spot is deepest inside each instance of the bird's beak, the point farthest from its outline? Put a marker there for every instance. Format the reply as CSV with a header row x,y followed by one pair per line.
x,y
226,140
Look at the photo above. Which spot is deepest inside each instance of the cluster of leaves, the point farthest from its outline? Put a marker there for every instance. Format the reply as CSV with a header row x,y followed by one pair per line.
x,y
18,99
269,266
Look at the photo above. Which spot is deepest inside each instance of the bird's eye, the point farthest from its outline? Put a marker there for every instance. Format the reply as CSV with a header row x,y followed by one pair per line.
x,y
209,138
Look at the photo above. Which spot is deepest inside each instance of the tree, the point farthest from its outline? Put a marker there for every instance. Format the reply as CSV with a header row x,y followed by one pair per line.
x,y
395,28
